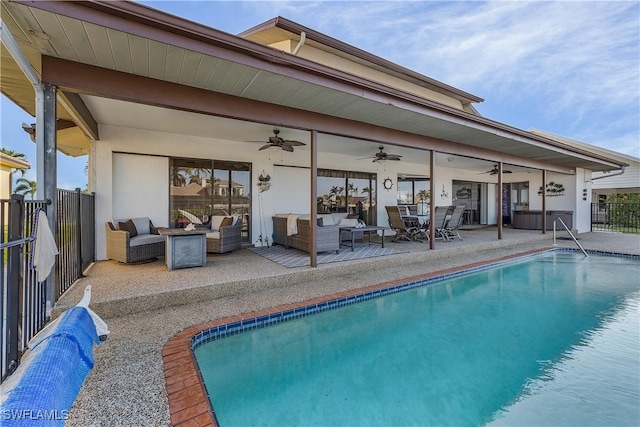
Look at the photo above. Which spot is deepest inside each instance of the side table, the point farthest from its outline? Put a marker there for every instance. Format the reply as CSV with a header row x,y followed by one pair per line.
x,y
185,248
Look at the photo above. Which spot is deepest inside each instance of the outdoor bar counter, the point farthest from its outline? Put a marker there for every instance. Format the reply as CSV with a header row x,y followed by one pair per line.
x,y
532,220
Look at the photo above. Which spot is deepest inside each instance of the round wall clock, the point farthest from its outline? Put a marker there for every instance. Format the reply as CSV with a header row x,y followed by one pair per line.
x,y
387,183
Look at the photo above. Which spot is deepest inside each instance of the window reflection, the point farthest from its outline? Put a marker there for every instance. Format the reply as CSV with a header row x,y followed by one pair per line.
x,y
202,188
351,192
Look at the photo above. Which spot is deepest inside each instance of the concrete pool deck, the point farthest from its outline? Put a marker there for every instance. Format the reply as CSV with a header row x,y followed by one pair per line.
x,y
146,305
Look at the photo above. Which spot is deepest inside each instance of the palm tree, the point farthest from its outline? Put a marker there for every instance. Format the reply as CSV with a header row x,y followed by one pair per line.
x,y
336,197
423,195
178,177
25,186
16,155
353,190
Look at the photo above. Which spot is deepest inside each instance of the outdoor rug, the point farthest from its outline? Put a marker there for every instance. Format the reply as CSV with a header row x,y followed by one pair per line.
x,y
296,258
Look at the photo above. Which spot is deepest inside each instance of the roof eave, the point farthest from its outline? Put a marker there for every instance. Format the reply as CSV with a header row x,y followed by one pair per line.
x,y
295,28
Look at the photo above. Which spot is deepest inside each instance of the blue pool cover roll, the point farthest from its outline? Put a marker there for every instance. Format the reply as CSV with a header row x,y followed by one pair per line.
x,y
47,382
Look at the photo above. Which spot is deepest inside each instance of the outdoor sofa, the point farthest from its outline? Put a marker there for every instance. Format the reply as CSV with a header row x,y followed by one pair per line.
x,y
327,231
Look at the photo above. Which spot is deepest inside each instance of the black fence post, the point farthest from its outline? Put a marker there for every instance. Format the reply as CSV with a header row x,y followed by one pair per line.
x,y
14,276
79,232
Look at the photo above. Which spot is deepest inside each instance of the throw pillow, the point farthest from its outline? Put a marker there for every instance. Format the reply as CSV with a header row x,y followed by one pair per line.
x,y
228,220
345,222
216,220
128,226
327,219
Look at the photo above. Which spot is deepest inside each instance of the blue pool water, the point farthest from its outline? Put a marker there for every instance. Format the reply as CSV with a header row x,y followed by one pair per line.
x,y
552,340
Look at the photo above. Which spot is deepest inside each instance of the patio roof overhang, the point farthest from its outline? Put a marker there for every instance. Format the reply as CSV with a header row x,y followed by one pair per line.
x,y
130,52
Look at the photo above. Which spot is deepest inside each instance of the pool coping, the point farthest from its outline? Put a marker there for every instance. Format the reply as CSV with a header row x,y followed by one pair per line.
x,y
189,403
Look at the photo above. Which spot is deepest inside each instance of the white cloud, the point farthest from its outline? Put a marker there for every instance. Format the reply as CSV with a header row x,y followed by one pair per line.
x,y
576,63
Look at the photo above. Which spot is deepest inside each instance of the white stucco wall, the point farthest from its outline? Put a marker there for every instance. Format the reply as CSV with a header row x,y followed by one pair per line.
x,y
141,186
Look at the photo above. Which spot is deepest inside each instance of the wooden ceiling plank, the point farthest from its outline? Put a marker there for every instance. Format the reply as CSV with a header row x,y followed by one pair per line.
x,y
173,64
51,27
190,64
119,43
204,70
157,55
139,55
99,42
78,40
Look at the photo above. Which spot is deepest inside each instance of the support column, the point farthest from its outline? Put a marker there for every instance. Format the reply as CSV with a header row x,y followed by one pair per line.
x,y
544,201
47,172
313,250
432,199
499,200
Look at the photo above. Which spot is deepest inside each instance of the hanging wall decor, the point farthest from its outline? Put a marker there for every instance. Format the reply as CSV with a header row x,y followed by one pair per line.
x,y
553,189
444,194
264,183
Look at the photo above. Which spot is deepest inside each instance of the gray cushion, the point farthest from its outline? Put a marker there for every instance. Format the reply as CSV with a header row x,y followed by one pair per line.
x,y
146,239
142,224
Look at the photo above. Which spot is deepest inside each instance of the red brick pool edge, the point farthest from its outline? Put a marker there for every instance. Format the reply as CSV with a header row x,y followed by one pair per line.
x,y
189,404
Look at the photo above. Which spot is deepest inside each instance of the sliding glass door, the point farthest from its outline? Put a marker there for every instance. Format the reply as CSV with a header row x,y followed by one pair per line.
x,y
190,192
202,188
346,191
231,192
470,194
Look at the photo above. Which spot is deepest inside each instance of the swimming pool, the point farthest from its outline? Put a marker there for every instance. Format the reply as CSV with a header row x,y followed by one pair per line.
x,y
497,345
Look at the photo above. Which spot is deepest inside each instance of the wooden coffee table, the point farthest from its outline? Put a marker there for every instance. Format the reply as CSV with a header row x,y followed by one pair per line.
x,y
368,230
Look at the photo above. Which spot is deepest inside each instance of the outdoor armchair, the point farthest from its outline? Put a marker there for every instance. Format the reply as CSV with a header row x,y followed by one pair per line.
x,y
133,240
224,236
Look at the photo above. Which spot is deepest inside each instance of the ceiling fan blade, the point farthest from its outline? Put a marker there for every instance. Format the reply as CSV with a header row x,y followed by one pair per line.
x,y
286,147
275,140
264,147
363,158
393,157
294,143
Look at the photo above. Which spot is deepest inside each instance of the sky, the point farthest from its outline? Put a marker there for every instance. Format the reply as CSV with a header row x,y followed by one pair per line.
x,y
570,68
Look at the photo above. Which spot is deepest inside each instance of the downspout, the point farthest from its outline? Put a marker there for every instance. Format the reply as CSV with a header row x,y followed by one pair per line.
x,y
7,39
621,172
45,191
303,38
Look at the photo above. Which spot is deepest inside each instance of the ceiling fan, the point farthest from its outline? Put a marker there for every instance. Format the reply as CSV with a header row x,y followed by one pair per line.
x,y
277,142
494,171
381,156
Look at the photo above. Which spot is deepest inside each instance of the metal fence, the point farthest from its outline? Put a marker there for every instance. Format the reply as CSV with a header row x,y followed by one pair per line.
x,y
621,217
23,309
75,237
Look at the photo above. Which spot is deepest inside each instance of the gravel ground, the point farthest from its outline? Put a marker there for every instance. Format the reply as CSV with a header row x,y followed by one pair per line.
x,y
145,305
